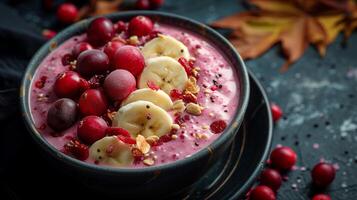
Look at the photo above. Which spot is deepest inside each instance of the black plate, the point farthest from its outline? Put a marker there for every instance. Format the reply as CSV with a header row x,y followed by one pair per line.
x,y
230,178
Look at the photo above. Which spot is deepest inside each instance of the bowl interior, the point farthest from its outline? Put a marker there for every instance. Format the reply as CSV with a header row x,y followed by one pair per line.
x,y
187,24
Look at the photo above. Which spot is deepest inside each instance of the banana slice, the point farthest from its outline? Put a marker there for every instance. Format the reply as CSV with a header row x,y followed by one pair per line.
x,y
144,118
165,45
111,151
159,97
165,72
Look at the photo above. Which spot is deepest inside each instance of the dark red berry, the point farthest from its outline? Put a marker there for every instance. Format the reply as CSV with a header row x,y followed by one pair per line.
x,y
62,114
262,192
93,102
129,58
79,48
142,4
67,59
283,158
69,84
92,62
117,131
175,94
120,26
152,85
218,126
186,65
77,149
154,4
41,82
100,31
119,84
276,112
48,34
91,129
140,26
321,197
111,48
323,174
67,13
271,178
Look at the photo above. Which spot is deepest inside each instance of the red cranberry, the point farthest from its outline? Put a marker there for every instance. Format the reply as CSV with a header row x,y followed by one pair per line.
x,y
262,192
77,149
79,48
120,26
218,126
271,178
156,3
100,31
69,84
41,82
62,114
142,4
321,197
129,58
67,13
283,158
111,47
119,84
91,129
323,174
48,34
93,102
140,26
92,62
276,112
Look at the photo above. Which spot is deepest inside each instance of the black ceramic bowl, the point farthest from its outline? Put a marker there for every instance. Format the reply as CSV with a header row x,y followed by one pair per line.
x,y
159,180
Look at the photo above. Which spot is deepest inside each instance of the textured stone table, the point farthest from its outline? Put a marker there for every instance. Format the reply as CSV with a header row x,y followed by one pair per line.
x,y
318,97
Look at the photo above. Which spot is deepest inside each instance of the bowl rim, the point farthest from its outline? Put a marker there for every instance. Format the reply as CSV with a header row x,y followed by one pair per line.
x,y
230,130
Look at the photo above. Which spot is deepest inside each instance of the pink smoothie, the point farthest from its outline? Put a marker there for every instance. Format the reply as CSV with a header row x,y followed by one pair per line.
x,y
219,95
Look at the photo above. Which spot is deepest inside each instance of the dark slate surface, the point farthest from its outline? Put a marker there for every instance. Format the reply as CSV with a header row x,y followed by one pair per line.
x,y
318,97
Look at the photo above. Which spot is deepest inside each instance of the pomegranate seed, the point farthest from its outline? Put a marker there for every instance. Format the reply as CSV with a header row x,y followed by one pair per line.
x,y
175,94
152,85
67,13
276,112
218,126
185,64
321,197
117,131
165,138
127,140
262,192
77,149
271,178
283,158
48,34
323,174
67,59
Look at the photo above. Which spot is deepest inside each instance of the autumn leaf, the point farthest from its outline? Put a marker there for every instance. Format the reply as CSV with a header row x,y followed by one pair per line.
x,y
295,24
99,7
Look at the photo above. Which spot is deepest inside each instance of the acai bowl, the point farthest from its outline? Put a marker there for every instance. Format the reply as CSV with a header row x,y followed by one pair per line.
x,y
135,101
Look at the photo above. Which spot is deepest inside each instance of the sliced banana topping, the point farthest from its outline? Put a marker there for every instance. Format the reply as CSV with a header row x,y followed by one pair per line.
x,y
144,118
159,97
111,151
165,45
165,72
